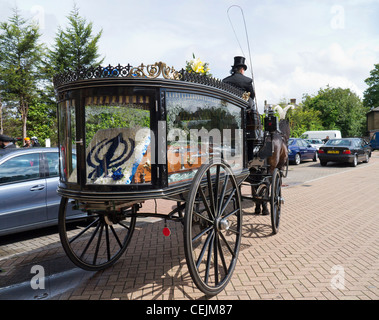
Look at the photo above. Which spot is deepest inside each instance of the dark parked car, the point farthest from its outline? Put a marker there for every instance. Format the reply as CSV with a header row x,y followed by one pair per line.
x,y
374,142
299,150
349,150
28,189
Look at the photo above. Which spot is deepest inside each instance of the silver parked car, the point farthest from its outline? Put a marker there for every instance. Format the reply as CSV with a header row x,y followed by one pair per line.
x,y
29,179
315,143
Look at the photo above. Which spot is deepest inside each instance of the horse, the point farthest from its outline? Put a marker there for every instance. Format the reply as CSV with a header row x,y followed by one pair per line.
x,y
278,159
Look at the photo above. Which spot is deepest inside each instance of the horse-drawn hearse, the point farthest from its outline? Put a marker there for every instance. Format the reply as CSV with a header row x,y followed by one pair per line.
x,y
128,135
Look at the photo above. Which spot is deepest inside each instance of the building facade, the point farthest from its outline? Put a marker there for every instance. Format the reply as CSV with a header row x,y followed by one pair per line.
x,y
373,121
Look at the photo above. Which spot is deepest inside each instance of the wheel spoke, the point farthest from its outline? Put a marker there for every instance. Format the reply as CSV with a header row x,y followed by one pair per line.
x,y
107,242
84,230
121,223
209,258
233,231
202,233
222,255
227,244
90,240
115,235
217,182
231,213
216,257
98,244
227,202
203,197
202,217
207,241
210,190
222,195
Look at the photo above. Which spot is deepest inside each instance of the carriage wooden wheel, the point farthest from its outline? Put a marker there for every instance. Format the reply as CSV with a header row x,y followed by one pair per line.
x,y
98,240
212,227
276,200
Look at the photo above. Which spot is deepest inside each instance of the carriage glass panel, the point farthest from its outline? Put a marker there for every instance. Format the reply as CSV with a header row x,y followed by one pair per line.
x,y
117,138
201,128
67,137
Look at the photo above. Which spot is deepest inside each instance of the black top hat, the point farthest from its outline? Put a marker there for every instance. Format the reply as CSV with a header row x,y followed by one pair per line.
x,y
5,138
239,62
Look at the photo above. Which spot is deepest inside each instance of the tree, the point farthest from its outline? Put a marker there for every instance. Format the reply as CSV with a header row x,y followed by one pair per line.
x,y
42,122
21,58
303,119
75,47
371,95
340,109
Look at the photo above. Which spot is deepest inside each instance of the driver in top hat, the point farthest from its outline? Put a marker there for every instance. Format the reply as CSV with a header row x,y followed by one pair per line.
x,y
238,79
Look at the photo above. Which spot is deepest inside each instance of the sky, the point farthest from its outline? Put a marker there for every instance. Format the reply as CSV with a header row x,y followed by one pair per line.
x,y
292,47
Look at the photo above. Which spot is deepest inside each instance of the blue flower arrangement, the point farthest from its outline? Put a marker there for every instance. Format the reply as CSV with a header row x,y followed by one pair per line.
x,y
117,175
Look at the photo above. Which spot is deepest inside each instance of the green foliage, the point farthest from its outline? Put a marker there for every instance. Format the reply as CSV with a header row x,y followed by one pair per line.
x,y
42,123
302,119
339,109
104,117
371,95
21,61
12,123
75,47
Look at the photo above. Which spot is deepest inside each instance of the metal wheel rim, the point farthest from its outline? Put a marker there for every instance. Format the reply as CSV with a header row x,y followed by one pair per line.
x,y
297,159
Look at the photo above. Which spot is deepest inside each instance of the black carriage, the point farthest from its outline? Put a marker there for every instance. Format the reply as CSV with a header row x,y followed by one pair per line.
x,y
128,135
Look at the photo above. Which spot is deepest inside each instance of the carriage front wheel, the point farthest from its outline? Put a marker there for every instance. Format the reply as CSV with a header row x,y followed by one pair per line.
x,y
276,200
94,240
213,227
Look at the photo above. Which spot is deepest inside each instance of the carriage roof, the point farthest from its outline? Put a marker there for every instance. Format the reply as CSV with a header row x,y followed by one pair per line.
x,y
158,74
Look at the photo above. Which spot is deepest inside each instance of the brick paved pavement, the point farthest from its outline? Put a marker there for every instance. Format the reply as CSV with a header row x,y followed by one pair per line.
x,y
328,232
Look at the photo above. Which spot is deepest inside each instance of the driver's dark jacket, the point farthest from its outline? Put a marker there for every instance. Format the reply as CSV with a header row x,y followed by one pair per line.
x,y
240,81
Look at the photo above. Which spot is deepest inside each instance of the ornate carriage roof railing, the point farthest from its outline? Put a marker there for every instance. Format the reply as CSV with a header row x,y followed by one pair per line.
x,y
151,71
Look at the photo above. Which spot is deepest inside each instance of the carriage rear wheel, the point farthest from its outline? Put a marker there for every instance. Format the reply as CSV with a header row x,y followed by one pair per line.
x,y
213,227
276,200
94,240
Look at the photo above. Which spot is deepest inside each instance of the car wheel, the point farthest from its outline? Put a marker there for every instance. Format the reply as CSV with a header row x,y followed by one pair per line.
x,y
355,162
297,159
367,158
315,157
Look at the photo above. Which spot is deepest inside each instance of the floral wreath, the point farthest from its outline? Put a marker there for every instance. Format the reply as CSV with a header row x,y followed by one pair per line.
x,y
197,66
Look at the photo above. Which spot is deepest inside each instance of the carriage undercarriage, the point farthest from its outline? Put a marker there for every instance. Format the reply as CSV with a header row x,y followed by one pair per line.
x,y
96,222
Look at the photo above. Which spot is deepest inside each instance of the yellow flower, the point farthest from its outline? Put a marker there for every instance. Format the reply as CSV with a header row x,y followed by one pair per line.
x,y
197,65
